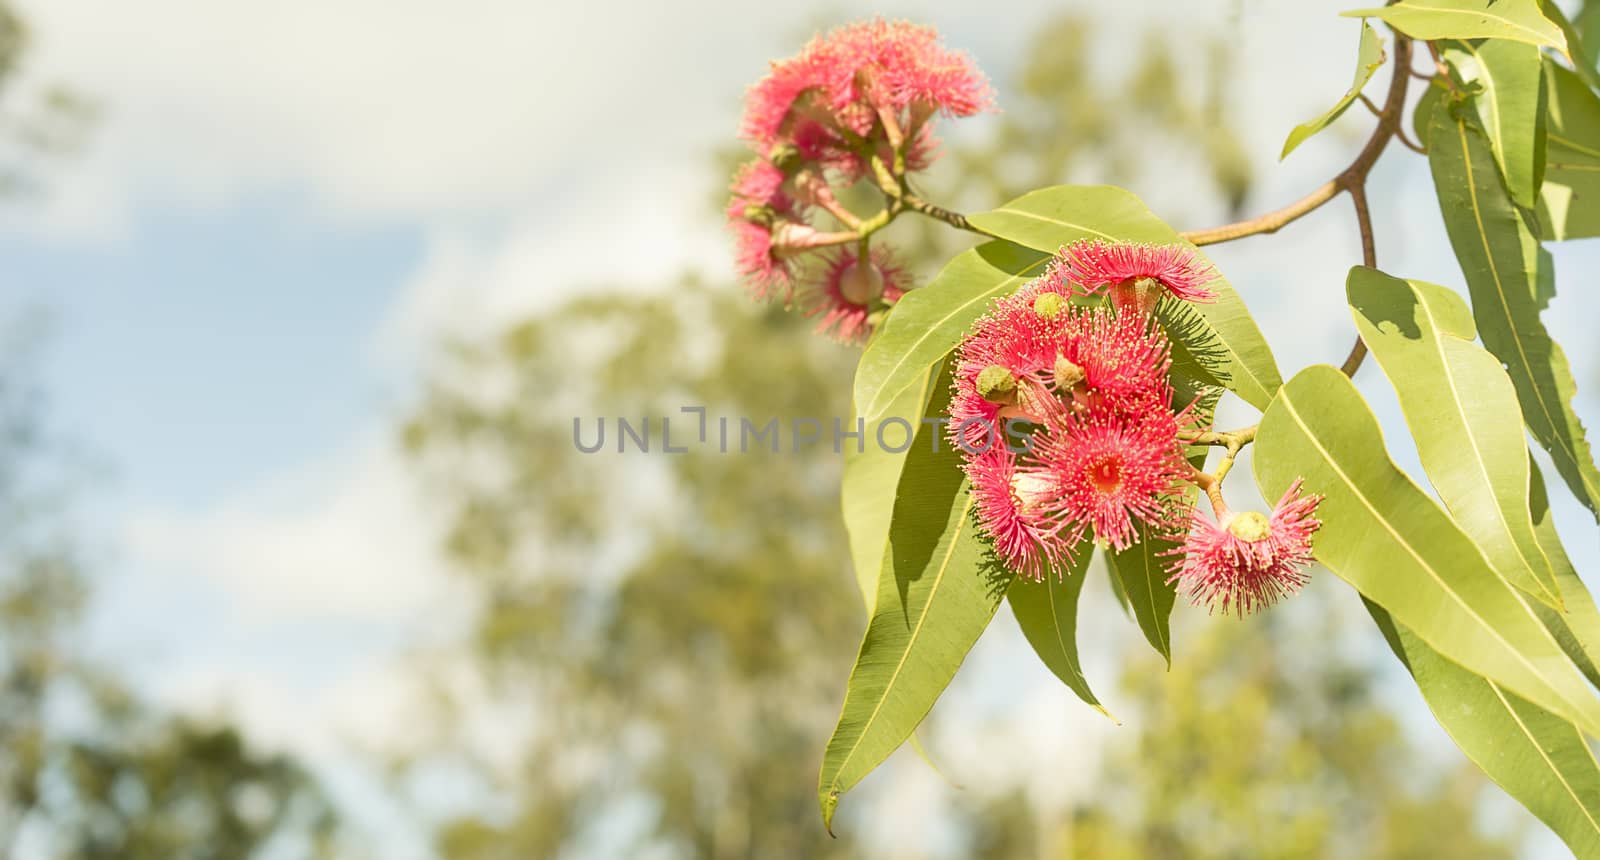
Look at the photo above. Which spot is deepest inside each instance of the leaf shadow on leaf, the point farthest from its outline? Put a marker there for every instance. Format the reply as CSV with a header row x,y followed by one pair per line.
x,y
1197,352
939,484
1381,311
996,576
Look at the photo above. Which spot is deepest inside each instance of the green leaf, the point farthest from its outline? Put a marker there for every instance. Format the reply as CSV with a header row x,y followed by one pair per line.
x,y
1579,37
1516,20
1223,337
1368,59
1422,114
1141,571
1455,397
1569,202
1382,534
1577,629
1509,276
1116,590
1538,758
1506,76
928,322
934,601
866,491
1047,612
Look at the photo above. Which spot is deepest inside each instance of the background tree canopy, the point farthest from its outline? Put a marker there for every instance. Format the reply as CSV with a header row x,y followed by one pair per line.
x,y
650,661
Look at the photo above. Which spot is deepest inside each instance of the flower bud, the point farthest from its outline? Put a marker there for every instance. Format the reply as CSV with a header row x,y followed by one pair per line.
x,y
1250,526
1047,305
1031,490
1067,374
861,284
997,384
786,157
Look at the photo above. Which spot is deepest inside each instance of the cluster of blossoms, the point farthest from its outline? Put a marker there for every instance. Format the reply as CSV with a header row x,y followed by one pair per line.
x,y
855,104
1105,455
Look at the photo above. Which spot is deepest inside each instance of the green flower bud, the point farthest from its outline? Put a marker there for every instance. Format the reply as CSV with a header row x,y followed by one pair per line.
x,y
785,157
997,384
1068,375
1250,526
1047,305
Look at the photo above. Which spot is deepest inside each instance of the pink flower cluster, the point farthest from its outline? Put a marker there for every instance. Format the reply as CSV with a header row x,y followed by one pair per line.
x,y
1105,455
865,92
1248,561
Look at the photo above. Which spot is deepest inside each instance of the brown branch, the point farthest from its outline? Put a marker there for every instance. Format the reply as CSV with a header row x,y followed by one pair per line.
x,y
953,218
1369,258
1389,118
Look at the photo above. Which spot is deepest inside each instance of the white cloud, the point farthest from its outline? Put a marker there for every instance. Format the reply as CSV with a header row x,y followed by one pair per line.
x,y
345,538
637,230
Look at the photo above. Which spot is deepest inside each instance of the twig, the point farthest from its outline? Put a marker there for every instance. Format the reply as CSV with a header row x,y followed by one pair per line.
x,y
1356,174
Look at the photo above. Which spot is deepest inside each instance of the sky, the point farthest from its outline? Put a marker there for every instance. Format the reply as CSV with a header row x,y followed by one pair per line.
x,y
285,205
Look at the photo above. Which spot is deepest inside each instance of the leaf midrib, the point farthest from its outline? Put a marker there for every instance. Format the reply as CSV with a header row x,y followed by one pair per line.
x,y
1327,456
916,631
1500,293
1571,792
1439,336
1484,13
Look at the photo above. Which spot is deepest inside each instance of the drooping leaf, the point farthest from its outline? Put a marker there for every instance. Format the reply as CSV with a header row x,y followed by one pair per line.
x,y
1455,397
1141,570
1369,57
1578,628
1506,77
1047,612
1569,202
1516,20
1382,534
928,322
1222,337
934,600
1510,278
871,473
1538,758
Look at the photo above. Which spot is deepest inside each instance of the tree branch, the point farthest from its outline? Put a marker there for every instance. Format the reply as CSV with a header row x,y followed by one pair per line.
x,y
1389,118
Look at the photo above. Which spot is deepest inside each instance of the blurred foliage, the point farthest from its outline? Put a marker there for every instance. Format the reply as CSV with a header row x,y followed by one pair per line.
x,y
39,123
673,627
86,770
1265,741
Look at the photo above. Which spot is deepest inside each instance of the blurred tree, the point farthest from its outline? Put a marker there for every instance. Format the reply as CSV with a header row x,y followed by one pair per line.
x,y
673,627
1266,743
86,770
37,123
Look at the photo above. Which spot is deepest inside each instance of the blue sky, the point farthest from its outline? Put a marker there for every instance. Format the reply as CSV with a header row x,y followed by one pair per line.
x,y
286,203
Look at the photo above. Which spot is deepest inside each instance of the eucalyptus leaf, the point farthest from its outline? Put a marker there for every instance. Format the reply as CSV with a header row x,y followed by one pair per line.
x,y
871,474
1141,571
1516,20
1506,79
1221,335
1578,628
1580,36
1455,397
1047,612
938,593
1368,58
1539,758
1381,533
1422,114
1510,277
1569,203
929,321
